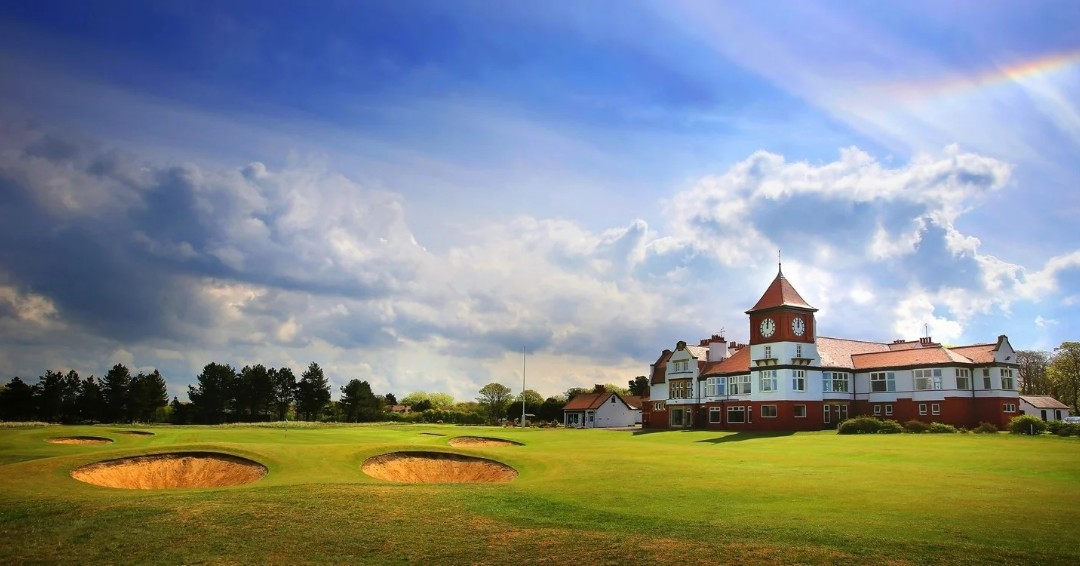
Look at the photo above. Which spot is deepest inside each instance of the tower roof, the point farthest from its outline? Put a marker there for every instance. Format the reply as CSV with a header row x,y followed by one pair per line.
x,y
780,294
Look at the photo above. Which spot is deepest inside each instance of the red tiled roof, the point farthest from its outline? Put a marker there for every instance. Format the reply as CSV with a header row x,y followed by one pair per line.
x,y
902,358
978,353
837,352
736,364
586,401
780,294
660,368
1043,402
634,401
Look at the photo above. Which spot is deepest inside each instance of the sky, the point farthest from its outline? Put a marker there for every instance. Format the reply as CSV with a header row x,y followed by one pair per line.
x,y
415,193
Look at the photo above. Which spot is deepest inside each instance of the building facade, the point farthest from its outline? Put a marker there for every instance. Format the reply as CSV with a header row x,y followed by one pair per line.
x,y
789,378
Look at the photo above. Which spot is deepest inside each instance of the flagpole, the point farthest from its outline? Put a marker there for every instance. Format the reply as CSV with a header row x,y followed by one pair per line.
x,y
523,387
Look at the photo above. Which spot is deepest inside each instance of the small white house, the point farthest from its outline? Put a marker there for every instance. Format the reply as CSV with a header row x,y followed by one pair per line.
x,y
602,410
1045,407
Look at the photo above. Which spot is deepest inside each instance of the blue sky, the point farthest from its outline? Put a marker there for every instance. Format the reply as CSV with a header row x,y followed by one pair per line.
x,y
411,192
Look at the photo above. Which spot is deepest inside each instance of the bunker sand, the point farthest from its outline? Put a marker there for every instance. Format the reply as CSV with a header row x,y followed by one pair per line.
x,y
436,467
79,440
461,441
171,471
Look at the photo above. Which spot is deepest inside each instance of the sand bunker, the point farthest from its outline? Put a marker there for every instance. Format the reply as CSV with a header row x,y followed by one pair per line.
x,y
79,440
436,467
169,471
137,432
481,441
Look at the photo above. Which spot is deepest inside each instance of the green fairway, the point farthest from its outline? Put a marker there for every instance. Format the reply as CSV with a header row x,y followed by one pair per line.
x,y
588,496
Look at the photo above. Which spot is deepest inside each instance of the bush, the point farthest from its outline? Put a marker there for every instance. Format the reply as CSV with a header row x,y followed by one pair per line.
x,y
1068,429
985,428
859,425
1027,424
1054,426
916,426
890,426
941,428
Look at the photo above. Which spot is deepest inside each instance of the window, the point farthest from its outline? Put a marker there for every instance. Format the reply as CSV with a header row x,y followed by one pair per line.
x,y
714,415
736,415
612,399
922,408
798,350
877,409
987,382
798,381
768,411
935,408
658,406
715,386
1010,408
888,410
749,413
682,366
768,351
677,417
927,379
800,411
963,378
827,412
682,389
834,382
768,380
1006,378
882,381
740,385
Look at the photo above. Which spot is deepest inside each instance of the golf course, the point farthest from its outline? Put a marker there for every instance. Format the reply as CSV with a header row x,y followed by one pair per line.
x,y
313,494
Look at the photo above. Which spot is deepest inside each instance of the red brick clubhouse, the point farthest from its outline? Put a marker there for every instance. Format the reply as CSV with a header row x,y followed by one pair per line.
x,y
789,378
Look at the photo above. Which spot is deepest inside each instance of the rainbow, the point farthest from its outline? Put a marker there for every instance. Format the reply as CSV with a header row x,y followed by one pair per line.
x,y
1013,73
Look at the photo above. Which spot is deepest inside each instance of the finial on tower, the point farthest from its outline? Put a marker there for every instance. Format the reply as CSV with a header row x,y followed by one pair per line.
x,y
779,263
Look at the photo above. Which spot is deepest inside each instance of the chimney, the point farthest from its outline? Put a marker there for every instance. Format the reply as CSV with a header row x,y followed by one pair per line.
x,y
704,343
898,341
925,341
597,388
718,348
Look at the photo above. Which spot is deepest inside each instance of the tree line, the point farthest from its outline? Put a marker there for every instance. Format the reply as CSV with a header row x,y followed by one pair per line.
x,y
68,398
1055,373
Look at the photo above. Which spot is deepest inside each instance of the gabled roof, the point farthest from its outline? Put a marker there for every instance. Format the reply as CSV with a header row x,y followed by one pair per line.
x,y
737,363
978,353
699,352
590,401
780,294
1043,402
659,370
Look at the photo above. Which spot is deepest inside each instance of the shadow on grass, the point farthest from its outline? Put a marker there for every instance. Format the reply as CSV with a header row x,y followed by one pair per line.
x,y
740,436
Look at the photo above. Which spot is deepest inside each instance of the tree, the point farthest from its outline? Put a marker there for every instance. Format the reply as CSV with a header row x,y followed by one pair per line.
x,y
114,393
146,394
390,399
284,391
1064,374
212,401
1032,372
415,397
441,401
421,406
639,385
575,391
254,393
494,397
611,387
17,401
551,409
179,413
312,393
89,403
358,403
533,402
49,396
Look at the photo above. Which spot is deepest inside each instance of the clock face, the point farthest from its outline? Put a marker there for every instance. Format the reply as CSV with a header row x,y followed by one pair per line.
x,y
798,326
768,327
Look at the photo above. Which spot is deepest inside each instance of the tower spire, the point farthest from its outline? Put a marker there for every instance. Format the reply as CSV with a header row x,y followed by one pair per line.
x,y
779,264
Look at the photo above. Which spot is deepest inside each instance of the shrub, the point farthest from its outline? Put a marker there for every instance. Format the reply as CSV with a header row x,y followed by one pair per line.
x,y
859,425
941,428
985,428
1027,424
1068,429
1054,426
890,426
916,426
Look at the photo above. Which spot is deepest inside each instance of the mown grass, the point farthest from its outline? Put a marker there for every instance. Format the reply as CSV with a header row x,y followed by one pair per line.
x,y
592,496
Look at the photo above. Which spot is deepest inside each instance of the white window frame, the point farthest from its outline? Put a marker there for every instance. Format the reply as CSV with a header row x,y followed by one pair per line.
x,y
798,380
798,350
774,412
768,352
887,378
963,378
715,386
1009,408
715,411
877,409
927,379
767,381
830,380
800,409
739,409
739,385
1006,378
888,410
922,408
935,408
658,406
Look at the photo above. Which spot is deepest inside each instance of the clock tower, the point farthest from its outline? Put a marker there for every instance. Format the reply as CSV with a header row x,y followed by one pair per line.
x,y
781,315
